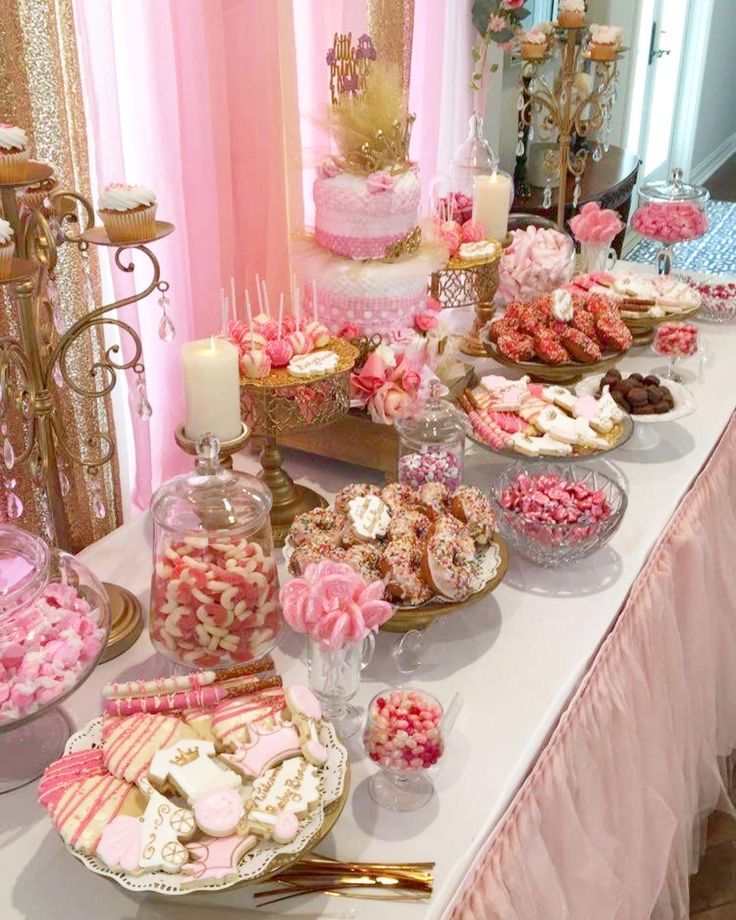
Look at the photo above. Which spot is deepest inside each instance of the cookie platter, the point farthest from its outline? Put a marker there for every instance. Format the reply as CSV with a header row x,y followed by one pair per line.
x,y
436,553
149,801
517,418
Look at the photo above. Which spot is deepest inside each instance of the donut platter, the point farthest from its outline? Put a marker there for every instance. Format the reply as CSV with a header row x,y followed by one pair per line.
x,y
559,337
434,551
517,418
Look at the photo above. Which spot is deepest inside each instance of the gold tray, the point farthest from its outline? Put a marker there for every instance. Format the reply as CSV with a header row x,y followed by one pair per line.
x,y
407,618
643,327
553,373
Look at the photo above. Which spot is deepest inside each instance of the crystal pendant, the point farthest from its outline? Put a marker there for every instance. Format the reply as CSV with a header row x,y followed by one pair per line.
x,y
64,484
531,132
8,454
547,197
520,148
143,408
14,505
520,103
166,329
597,153
58,376
576,193
98,504
98,507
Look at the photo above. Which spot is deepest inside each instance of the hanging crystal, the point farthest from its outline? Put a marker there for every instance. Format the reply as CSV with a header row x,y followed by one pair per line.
x,y
143,407
576,192
597,153
99,508
8,454
64,484
166,328
547,197
57,375
531,132
14,504
520,147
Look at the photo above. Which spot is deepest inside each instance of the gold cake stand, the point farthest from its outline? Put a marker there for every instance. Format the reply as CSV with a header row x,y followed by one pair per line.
x,y
281,403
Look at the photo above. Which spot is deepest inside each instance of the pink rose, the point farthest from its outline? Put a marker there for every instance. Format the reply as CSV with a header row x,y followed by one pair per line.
x,y
379,182
433,304
328,169
389,403
594,224
425,321
410,382
511,4
366,381
348,333
451,235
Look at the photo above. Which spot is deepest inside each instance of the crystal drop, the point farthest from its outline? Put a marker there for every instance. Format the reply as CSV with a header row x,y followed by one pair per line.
x,y
59,321
15,506
520,149
164,302
58,376
547,198
597,153
8,454
26,407
144,409
64,484
166,329
520,102
57,231
98,507
531,132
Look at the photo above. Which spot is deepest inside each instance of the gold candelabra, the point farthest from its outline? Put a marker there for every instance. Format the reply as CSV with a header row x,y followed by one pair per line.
x,y
565,106
36,365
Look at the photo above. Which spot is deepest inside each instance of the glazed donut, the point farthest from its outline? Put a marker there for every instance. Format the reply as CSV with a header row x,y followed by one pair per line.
x,y
365,559
473,508
408,525
354,490
398,496
401,566
448,560
433,498
314,552
318,525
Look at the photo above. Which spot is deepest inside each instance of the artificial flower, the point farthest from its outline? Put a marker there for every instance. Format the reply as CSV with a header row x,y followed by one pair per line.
x,y
379,182
425,321
328,169
496,23
511,4
365,382
410,382
433,304
593,224
348,333
389,403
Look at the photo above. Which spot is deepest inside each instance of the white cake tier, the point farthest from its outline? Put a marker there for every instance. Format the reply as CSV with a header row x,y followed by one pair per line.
x,y
357,217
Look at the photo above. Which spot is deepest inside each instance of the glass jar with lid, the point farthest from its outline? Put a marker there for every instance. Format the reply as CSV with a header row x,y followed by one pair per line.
x,y
54,624
214,590
671,212
432,442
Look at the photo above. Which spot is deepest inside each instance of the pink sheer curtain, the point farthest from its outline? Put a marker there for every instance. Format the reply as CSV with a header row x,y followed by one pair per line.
x,y
187,97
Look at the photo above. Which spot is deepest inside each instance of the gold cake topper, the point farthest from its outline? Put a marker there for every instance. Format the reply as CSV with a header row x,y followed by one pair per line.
x,y
407,245
349,66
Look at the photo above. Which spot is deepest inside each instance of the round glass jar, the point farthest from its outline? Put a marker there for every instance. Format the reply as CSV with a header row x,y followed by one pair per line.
x,y
214,589
451,193
432,443
54,623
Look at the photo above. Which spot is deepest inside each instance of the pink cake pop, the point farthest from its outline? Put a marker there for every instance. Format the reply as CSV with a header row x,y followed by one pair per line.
x,y
318,332
255,364
300,342
289,325
280,352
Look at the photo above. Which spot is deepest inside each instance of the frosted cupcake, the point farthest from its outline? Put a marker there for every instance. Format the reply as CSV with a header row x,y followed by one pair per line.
x,y
13,153
32,196
533,45
605,42
571,14
128,212
7,248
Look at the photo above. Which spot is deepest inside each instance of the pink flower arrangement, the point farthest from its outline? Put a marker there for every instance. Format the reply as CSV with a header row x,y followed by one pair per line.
x,y
334,604
593,224
379,182
425,321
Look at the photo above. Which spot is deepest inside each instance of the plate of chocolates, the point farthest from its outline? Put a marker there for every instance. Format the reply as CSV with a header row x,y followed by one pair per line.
x,y
645,397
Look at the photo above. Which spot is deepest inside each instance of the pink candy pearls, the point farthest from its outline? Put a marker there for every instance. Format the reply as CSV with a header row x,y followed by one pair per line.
x,y
403,730
676,340
214,600
434,465
670,222
280,352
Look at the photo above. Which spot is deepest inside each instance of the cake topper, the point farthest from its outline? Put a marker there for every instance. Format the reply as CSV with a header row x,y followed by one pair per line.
x,y
348,65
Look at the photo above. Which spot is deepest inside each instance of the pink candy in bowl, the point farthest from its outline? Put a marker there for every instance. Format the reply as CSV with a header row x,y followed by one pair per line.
x,y
539,259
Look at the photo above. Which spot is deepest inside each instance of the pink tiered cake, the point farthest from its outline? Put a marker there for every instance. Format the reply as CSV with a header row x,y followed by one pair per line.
x,y
359,216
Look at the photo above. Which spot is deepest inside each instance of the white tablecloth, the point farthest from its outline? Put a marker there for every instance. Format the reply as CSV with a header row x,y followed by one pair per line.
x,y
516,656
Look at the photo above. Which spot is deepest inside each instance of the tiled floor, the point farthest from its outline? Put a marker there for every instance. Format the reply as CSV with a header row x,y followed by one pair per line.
x,y
713,889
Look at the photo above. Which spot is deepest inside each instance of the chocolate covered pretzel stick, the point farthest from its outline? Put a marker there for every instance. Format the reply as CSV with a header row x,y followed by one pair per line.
x,y
195,698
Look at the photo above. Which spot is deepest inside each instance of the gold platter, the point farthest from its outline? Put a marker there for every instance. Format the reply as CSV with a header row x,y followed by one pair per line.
x,y
553,373
98,236
407,618
35,173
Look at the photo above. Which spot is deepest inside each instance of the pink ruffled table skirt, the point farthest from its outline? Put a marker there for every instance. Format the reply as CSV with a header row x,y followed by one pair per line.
x,y
609,822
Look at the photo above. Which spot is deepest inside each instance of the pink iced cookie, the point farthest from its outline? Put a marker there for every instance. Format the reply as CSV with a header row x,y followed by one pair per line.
x,y
281,827
266,747
218,811
307,714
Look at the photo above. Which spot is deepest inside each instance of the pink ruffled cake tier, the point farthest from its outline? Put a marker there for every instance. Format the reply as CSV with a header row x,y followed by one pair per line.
x,y
368,315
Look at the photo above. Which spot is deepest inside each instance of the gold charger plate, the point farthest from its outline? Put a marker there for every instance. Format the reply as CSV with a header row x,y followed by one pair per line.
x,y
407,618
553,373
98,236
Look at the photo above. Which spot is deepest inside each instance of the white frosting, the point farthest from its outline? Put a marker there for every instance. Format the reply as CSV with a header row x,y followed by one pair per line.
x,y
608,409
369,516
191,767
292,786
562,305
549,447
483,249
317,362
126,197
571,6
6,232
535,37
13,138
525,445
561,396
606,35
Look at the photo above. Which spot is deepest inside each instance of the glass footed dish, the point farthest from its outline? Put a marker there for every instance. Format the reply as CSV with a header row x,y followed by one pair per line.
x,y
553,545
718,301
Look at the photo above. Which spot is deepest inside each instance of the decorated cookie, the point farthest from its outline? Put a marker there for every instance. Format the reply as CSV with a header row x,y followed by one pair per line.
x,y
191,768
231,719
306,713
218,811
293,786
281,827
216,858
149,843
130,742
267,746
314,364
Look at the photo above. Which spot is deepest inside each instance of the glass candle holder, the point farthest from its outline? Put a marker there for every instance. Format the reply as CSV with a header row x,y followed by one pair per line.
x,y
334,678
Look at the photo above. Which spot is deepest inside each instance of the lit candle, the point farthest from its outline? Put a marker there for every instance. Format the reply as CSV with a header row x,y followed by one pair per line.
x,y
491,204
211,388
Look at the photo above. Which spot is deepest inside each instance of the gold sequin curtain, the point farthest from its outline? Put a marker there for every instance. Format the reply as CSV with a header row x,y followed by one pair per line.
x,y
391,25
40,90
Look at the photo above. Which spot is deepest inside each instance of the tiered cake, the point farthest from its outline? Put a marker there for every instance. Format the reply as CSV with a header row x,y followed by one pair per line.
x,y
367,202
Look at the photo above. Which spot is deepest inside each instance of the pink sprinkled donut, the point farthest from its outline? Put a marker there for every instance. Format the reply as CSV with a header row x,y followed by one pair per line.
x,y
473,508
399,496
401,566
408,525
354,490
433,498
447,560
318,525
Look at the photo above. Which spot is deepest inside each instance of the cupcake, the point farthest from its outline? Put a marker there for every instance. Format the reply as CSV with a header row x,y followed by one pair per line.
x,y
7,248
533,45
13,153
605,42
32,196
128,212
571,14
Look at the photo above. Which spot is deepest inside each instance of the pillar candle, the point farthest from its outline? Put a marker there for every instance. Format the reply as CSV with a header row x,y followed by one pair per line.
x,y
211,388
491,204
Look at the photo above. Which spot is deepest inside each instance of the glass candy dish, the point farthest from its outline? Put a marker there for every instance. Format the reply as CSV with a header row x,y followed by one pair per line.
x,y
556,544
54,624
718,301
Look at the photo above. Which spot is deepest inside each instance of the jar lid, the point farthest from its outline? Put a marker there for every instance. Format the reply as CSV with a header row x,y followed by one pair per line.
x,y
435,420
211,498
24,563
475,154
675,189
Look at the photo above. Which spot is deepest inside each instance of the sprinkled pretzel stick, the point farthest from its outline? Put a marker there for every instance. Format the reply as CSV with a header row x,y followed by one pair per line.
x,y
199,698
194,681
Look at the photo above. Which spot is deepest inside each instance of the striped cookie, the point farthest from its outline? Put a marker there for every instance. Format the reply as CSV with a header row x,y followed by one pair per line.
x,y
130,742
230,719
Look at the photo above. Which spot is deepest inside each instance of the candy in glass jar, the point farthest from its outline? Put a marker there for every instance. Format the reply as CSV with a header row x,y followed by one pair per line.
x,y
214,592
432,442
